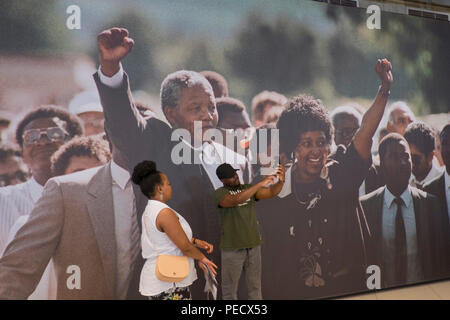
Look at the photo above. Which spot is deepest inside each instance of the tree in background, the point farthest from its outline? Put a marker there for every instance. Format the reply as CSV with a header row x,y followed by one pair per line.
x,y
418,48
30,27
143,67
278,55
423,48
351,59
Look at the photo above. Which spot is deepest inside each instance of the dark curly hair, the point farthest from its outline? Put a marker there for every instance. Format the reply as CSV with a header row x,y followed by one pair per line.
x,y
444,132
147,177
93,147
74,125
420,135
8,150
303,113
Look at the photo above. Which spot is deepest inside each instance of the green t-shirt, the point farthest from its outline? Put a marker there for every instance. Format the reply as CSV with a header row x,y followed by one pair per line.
x,y
239,225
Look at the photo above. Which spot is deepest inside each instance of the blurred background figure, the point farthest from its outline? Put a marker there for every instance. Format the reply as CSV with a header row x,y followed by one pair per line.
x,y
273,115
87,106
437,148
233,115
5,121
420,137
39,134
382,133
12,168
262,103
346,121
399,117
358,108
440,187
218,83
79,154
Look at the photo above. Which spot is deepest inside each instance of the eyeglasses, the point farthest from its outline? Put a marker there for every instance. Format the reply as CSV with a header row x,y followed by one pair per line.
x,y
347,132
54,134
8,178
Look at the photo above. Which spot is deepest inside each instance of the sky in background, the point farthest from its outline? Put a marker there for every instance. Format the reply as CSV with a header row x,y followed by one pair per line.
x,y
217,20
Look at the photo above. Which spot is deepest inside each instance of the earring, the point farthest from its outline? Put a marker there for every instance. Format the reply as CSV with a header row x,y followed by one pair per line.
x,y
161,196
324,175
324,172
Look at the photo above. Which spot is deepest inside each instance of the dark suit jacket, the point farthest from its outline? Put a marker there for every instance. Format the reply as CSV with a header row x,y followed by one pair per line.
x,y
140,139
374,179
73,223
429,235
437,187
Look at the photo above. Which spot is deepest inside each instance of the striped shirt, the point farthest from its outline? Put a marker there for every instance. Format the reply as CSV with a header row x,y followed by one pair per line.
x,y
16,201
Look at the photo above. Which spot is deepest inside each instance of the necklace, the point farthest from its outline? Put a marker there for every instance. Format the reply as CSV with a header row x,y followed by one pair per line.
x,y
313,197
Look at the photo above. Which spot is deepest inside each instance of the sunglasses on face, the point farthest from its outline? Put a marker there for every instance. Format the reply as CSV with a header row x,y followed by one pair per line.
x,y
54,134
7,178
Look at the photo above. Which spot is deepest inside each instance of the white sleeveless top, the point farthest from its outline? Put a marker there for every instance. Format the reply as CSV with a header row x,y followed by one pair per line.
x,y
154,243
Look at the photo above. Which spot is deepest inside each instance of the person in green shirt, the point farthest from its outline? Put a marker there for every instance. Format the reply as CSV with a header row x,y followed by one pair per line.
x,y
240,239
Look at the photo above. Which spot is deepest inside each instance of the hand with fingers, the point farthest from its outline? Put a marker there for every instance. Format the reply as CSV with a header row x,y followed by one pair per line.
x,y
204,245
268,180
205,262
280,173
383,69
113,46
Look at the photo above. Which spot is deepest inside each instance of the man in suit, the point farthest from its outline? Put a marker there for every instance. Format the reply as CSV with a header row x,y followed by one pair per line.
x,y
406,239
86,223
186,98
440,187
420,137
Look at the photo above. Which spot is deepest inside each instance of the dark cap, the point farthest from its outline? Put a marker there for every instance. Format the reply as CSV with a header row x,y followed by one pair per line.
x,y
225,171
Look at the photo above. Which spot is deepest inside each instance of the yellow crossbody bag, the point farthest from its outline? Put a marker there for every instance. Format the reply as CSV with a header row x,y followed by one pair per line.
x,y
171,268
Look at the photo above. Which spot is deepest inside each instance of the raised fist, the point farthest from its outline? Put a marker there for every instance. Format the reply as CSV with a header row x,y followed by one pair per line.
x,y
113,45
384,70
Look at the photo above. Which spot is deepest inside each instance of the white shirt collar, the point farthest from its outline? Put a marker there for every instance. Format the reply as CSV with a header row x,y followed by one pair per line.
x,y
35,189
447,180
119,175
433,173
405,196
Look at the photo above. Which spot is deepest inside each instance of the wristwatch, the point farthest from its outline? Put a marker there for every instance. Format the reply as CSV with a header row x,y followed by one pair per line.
x,y
383,91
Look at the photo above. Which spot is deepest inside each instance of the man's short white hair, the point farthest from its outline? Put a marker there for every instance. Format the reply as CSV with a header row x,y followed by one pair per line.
x,y
173,84
399,105
345,111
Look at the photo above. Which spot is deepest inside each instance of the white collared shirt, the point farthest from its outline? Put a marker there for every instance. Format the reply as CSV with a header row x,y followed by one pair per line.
x,y
124,212
414,271
15,201
447,191
115,81
433,173
16,204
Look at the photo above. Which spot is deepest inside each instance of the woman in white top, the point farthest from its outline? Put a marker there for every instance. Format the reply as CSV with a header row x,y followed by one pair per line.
x,y
165,231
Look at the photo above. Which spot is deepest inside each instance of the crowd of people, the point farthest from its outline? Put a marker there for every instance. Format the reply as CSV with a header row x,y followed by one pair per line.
x,y
95,186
